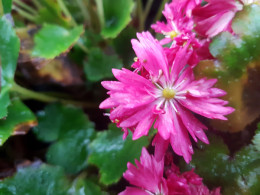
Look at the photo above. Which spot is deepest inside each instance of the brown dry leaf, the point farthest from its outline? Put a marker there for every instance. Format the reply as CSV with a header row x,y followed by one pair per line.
x,y
243,94
38,70
27,44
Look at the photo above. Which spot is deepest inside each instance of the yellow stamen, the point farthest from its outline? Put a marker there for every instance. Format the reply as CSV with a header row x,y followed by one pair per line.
x,y
172,34
168,93
135,59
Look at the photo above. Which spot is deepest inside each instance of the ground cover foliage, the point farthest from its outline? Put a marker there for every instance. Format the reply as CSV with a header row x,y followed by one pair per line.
x,y
54,138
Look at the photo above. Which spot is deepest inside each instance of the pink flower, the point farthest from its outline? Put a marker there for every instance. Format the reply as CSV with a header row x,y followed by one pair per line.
x,y
178,27
215,17
178,30
165,93
188,183
148,178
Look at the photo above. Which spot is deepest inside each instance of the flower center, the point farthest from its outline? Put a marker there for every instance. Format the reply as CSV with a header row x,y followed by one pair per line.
x,y
172,34
168,93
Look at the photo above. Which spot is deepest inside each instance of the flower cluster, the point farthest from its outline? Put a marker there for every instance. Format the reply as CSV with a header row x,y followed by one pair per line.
x,y
148,178
162,91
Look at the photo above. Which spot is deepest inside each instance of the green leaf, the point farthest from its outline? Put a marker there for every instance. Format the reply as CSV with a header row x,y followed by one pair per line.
x,y
239,174
20,119
7,5
124,38
99,65
85,187
110,153
9,51
51,12
212,162
71,130
52,40
72,150
4,101
36,180
256,140
116,17
235,52
56,120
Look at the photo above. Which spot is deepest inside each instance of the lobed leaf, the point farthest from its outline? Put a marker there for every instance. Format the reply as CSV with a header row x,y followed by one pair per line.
x,y
36,179
239,174
116,17
9,51
52,40
71,131
85,187
19,120
99,65
110,153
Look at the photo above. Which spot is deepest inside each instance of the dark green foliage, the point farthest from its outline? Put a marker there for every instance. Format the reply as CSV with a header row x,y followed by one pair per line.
x,y
36,179
110,153
99,65
71,131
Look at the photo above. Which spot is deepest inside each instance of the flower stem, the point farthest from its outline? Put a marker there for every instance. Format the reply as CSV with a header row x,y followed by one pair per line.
x,y
140,15
45,98
83,9
24,14
37,4
100,12
26,7
147,10
81,46
66,12
159,12
1,9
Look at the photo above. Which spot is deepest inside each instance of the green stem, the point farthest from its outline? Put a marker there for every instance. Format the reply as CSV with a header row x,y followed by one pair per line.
x,y
37,4
45,98
85,49
26,7
1,8
66,12
147,10
159,12
100,12
140,15
83,9
24,14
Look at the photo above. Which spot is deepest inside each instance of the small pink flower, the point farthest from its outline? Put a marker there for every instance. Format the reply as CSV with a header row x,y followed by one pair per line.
x,y
178,27
215,17
165,93
178,30
188,183
149,178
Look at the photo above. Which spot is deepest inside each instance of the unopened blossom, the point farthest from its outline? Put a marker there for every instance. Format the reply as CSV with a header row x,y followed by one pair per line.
x,y
150,177
215,17
164,94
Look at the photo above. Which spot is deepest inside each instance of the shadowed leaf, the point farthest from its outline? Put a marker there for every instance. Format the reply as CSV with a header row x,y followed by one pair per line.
x,y
116,17
111,153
